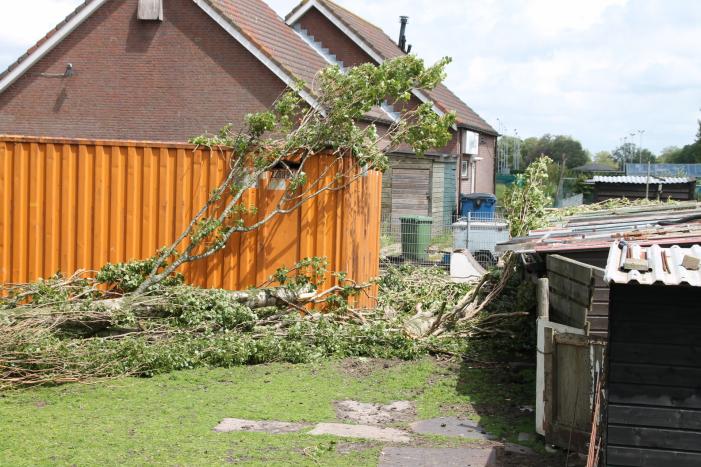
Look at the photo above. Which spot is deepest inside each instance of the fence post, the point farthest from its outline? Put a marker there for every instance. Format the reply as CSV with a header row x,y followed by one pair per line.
x,y
543,290
467,231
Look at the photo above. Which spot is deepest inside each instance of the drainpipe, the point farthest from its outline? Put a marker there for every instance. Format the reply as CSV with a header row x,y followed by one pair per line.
x,y
475,160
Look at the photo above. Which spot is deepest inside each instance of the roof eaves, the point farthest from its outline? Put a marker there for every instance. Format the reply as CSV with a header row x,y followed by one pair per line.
x,y
48,42
257,49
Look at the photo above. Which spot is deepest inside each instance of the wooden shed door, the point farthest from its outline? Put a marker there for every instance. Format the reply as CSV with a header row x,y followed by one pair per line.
x,y
410,192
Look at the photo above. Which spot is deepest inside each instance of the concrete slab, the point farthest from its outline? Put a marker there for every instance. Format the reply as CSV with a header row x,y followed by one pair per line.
x,y
375,414
451,426
438,457
391,435
261,426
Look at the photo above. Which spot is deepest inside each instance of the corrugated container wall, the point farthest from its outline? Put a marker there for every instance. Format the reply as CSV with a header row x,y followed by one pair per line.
x,y
76,204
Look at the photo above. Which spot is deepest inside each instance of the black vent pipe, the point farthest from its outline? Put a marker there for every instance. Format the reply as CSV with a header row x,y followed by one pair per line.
x,y
403,20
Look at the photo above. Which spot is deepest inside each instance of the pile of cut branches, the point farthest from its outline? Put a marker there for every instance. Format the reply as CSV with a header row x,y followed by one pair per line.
x,y
76,329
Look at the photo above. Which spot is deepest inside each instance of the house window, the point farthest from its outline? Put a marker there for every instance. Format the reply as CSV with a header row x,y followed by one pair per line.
x,y
464,169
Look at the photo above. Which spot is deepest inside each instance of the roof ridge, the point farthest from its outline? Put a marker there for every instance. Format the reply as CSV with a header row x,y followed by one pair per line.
x,y
360,35
357,16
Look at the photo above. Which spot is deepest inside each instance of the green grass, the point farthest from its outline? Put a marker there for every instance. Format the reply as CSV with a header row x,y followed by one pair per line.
x,y
168,419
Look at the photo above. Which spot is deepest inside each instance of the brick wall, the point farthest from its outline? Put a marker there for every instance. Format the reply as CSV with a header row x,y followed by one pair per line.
x,y
140,80
333,38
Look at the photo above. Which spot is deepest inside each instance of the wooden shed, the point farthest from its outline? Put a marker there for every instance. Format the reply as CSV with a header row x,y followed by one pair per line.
x,y
654,357
643,187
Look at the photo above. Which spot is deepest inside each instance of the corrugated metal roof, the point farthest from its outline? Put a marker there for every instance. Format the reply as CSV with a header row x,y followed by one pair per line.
x,y
669,224
641,180
664,265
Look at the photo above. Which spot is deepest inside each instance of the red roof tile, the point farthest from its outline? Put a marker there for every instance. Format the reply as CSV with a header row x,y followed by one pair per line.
x,y
262,26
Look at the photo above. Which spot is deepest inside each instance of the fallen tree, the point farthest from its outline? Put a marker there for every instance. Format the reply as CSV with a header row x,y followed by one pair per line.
x,y
140,319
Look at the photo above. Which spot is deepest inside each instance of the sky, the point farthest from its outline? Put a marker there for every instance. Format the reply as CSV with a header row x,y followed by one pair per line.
x,y
598,70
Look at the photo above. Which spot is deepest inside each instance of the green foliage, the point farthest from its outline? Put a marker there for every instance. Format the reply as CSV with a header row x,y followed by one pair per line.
x,y
527,199
605,158
126,277
555,147
631,153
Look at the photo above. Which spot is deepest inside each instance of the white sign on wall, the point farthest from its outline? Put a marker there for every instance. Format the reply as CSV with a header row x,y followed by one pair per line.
x,y
470,142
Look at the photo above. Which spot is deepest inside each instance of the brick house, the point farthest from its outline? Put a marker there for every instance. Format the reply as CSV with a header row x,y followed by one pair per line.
x,y
412,185
166,70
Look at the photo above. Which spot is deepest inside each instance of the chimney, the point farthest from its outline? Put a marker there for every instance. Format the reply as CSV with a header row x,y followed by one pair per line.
x,y
403,20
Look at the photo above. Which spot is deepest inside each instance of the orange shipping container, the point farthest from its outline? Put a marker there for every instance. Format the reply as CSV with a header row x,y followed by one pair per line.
x,y
78,204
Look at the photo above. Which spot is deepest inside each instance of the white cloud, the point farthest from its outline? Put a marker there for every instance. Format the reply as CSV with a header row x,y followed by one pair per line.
x,y
27,21
595,69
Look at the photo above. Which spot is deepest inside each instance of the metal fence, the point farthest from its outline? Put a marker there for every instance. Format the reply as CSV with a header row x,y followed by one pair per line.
x,y
421,241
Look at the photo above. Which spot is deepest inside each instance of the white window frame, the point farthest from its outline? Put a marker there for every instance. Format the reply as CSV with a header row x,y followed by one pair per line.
x,y
465,169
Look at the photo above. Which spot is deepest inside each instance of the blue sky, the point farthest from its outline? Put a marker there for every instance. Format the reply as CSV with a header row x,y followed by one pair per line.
x,y
594,69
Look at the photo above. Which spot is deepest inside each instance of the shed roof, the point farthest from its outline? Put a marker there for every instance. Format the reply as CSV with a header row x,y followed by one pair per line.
x,y
669,223
642,180
385,48
665,265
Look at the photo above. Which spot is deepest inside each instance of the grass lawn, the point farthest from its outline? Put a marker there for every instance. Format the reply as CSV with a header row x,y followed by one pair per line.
x,y
168,419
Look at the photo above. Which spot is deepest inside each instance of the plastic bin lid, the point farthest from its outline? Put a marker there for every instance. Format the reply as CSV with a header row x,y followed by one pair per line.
x,y
418,219
482,196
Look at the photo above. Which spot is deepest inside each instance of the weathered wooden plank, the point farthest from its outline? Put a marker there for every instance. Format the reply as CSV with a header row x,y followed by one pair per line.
x,y
618,455
548,379
641,373
577,292
574,270
566,311
654,417
598,323
660,396
662,438
601,295
656,333
687,355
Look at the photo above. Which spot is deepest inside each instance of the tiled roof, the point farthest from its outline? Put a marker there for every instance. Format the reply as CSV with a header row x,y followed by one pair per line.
x,y
255,20
262,26
656,265
640,180
48,35
384,46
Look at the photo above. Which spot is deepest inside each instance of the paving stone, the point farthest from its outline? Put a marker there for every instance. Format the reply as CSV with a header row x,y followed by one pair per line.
x,y
525,437
361,431
375,414
451,426
438,457
261,426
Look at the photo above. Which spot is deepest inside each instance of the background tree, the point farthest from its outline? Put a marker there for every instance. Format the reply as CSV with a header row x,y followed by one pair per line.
x,y
631,153
605,158
669,154
554,147
689,154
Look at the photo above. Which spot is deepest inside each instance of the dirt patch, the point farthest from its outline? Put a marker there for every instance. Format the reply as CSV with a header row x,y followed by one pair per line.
x,y
375,414
363,367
